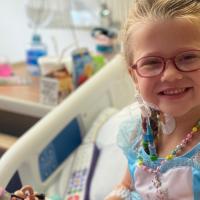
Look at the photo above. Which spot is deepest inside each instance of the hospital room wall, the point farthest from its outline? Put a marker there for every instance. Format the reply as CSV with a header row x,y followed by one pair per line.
x,y
15,33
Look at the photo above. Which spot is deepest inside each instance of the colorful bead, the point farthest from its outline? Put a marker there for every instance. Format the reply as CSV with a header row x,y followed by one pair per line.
x,y
144,144
145,168
153,157
173,152
189,136
157,170
139,157
150,138
169,157
185,141
149,142
150,170
179,147
162,162
140,162
194,129
152,149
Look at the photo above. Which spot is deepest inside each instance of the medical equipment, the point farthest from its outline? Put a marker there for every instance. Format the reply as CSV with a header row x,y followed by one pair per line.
x,y
39,156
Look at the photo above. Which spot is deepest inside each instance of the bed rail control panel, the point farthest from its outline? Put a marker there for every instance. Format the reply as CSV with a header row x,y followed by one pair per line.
x,y
78,185
54,154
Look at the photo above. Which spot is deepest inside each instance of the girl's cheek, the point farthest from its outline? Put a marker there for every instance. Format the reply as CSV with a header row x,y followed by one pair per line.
x,y
147,90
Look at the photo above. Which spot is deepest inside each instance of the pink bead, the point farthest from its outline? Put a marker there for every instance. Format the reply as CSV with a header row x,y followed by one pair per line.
x,y
144,168
185,141
190,134
163,161
188,137
150,170
157,170
182,145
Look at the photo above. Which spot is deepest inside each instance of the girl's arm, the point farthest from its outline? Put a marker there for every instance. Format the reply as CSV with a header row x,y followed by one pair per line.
x,y
122,190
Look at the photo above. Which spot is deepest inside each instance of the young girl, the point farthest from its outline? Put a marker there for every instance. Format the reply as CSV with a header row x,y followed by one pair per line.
x,y
162,50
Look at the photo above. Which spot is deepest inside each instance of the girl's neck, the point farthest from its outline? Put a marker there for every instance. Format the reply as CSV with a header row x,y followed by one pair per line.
x,y
184,125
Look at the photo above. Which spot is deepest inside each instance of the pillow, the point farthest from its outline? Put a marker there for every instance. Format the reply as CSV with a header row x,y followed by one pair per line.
x,y
112,164
107,175
107,134
101,119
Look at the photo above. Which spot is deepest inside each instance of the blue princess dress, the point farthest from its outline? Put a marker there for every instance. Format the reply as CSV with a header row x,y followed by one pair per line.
x,y
180,177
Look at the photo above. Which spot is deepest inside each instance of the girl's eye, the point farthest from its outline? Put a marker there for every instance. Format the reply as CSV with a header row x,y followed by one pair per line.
x,y
150,63
188,57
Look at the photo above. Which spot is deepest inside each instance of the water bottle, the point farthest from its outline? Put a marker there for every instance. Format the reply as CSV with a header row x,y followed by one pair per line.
x,y
35,50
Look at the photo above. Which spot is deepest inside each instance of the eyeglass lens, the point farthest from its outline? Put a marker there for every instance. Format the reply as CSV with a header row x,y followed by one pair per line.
x,y
153,65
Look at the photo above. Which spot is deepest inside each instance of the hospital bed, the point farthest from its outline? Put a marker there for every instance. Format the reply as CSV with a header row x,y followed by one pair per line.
x,y
43,155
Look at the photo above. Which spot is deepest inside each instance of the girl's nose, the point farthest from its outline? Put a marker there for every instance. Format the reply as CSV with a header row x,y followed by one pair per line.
x,y
171,73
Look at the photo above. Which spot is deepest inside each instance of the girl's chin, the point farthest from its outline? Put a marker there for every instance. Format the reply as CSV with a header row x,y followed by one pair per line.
x,y
174,110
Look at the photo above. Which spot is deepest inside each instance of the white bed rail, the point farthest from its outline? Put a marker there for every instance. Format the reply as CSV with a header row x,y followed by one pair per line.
x,y
111,86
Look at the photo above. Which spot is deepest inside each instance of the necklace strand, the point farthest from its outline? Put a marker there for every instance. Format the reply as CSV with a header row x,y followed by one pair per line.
x,y
148,141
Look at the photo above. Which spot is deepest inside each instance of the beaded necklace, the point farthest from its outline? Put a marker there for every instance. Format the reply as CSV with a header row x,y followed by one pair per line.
x,y
149,143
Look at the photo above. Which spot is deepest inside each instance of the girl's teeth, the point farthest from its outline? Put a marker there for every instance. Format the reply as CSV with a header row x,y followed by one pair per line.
x,y
174,91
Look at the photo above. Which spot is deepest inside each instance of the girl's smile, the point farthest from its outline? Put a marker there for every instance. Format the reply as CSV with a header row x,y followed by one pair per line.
x,y
174,93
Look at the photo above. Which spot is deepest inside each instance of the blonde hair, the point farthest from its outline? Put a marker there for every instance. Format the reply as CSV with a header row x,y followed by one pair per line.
x,y
143,10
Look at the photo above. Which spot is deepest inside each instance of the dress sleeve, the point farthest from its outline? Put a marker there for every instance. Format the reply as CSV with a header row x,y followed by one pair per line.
x,y
129,135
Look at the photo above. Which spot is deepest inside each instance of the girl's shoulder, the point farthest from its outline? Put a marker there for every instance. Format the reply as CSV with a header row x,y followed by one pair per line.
x,y
130,128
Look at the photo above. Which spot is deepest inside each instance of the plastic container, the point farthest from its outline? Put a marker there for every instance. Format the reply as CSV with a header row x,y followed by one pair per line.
x,y
5,68
35,50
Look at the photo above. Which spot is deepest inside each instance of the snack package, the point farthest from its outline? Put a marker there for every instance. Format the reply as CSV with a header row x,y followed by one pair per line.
x,y
83,66
55,86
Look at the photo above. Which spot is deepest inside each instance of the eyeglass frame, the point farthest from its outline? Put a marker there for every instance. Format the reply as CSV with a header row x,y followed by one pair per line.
x,y
164,61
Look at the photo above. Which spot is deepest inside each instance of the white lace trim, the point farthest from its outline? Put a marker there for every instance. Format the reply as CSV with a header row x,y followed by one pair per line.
x,y
121,192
